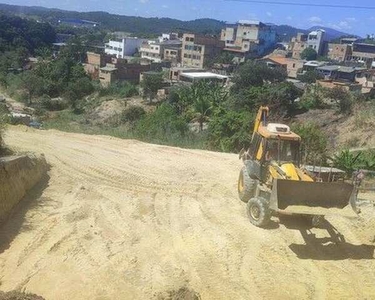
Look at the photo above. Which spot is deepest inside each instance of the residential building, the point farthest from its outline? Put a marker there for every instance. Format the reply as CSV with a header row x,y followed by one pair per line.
x,y
315,40
124,47
172,53
248,38
198,49
364,53
367,80
121,70
176,72
298,44
339,52
167,37
152,51
192,77
155,52
349,86
292,66
341,73
94,62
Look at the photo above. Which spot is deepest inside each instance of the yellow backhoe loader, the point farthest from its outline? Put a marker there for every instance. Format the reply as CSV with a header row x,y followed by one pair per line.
x,y
272,181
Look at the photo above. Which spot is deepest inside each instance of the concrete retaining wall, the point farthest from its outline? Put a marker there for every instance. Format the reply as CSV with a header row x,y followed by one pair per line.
x,y
18,174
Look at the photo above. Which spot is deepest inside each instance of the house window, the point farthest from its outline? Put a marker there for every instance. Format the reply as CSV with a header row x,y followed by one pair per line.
x,y
186,47
245,46
185,55
294,65
167,52
191,39
187,39
175,73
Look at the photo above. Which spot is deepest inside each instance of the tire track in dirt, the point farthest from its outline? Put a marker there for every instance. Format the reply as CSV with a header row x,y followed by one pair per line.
x,y
121,219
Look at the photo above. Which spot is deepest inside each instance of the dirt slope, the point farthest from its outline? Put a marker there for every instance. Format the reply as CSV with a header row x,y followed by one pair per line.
x,y
121,219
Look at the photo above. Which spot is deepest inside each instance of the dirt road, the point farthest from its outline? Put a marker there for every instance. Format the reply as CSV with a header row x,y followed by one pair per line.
x,y
121,219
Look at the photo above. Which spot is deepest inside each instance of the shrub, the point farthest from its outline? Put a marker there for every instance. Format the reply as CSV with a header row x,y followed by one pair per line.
x,y
52,104
309,54
342,97
132,114
314,143
229,131
120,89
162,124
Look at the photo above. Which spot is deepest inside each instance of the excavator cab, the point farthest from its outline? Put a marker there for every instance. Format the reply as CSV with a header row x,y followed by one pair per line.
x,y
272,180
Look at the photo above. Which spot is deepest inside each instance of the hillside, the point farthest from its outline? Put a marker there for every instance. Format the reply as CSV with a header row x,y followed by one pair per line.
x,y
140,25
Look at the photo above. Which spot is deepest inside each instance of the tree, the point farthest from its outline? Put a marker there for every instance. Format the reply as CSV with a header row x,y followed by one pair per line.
x,y
151,83
229,131
254,73
314,143
309,54
32,84
310,77
342,97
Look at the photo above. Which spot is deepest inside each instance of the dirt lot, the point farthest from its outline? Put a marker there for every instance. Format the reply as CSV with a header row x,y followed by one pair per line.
x,y
121,219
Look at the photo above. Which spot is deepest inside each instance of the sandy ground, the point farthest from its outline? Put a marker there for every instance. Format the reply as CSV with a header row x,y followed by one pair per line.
x,y
121,219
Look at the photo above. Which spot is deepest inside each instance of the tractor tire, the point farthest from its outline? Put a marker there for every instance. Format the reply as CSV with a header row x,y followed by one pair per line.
x,y
258,211
246,186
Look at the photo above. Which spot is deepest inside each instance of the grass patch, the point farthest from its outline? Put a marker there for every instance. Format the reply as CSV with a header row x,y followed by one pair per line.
x,y
77,123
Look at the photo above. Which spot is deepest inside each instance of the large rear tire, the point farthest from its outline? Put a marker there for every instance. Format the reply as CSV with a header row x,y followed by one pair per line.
x,y
246,186
258,211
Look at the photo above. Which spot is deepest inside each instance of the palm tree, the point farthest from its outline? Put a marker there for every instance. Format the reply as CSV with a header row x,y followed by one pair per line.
x,y
202,109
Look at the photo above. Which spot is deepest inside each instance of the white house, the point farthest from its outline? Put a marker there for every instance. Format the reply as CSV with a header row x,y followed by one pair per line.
x,y
125,47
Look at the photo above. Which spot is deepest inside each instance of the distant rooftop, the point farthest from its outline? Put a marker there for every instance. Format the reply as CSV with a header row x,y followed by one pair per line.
x,y
203,75
249,22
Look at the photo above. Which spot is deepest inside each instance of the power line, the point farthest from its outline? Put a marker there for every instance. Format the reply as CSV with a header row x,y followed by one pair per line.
x,y
304,4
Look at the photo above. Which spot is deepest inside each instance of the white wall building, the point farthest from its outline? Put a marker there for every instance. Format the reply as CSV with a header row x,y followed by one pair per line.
x,y
315,40
125,47
167,37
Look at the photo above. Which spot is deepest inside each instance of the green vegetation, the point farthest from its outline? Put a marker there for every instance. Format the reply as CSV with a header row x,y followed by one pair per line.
x,y
119,89
343,98
314,143
309,54
351,161
132,114
18,33
150,84
310,77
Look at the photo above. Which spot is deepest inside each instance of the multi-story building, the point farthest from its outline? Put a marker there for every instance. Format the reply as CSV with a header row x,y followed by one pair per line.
x,y
198,49
364,53
314,39
249,38
339,52
168,37
94,62
152,51
121,70
124,47
172,53
297,45
156,52
293,67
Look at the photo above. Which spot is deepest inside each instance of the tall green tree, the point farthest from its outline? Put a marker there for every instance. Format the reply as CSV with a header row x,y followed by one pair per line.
x,y
254,73
151,83
309,54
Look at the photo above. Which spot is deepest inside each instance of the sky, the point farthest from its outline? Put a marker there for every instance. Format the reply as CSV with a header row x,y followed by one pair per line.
x,y
354,21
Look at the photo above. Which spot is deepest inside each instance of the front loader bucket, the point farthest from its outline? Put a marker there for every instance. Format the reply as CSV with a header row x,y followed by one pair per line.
x,y
319,198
